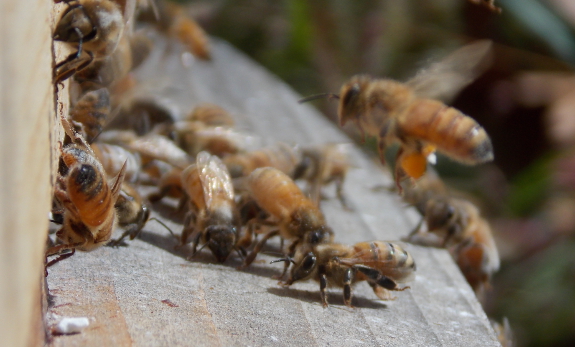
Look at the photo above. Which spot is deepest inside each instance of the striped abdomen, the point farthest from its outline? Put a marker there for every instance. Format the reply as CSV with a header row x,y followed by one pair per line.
x,y
455,134
89,192
388,258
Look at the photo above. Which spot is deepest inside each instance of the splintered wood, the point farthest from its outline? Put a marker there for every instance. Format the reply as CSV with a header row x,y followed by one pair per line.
x,y
148,294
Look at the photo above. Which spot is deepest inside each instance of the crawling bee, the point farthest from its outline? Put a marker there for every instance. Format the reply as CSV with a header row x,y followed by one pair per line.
x,y
297,217
93,27
132,212
89,216
280,156
382,264
211,115
400,112
321,165
458,223
92,112
212,217
113,158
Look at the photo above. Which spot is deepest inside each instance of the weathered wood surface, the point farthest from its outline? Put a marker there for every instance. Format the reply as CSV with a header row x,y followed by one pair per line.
x,y
26,109
148,294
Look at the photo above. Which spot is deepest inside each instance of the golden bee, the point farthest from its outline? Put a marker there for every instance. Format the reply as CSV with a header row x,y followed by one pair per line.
x,y
211,115
88,201
132,212
321,165
212,217
281,156
172,20
110,70
382,264
92,112
409,114
297,218
93,28
461,228
114,157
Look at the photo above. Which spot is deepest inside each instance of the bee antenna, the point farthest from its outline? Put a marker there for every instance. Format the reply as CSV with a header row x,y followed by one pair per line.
x,y
286,259
319,96
164,225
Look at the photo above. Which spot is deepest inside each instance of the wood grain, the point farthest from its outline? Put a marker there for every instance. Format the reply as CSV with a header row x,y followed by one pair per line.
x,y
148,294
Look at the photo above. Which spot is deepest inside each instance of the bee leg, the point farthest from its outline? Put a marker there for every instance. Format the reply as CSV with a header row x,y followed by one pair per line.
x,y
195,241
323,286
399,173
347,279
258,247
341,195
376,277
290,254
72,64
415,230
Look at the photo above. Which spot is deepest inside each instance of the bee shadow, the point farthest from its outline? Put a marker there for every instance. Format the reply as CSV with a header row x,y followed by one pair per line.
x,y
171,245
334,298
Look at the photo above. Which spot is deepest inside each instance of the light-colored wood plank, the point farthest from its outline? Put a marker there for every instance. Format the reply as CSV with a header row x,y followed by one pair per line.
x,y
148,294
26,108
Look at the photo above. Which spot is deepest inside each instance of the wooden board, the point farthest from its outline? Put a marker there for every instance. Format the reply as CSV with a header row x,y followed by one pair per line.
x,y
148,294
26,113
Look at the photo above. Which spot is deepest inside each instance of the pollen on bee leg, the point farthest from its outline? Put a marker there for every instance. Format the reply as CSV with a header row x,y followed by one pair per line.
x,y
414,164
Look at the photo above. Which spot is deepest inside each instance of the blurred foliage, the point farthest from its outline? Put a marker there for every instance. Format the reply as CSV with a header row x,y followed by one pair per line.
x,y
529,191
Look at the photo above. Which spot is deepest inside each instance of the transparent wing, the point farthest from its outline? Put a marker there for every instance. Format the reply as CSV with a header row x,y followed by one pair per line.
x,y
216,181
442,80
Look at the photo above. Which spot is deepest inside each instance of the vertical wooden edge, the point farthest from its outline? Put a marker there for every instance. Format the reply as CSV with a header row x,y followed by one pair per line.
x,y
28,145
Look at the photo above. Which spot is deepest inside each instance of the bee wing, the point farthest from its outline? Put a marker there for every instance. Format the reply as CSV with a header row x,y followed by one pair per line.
x,y
388,267
442,80
216,181
160,147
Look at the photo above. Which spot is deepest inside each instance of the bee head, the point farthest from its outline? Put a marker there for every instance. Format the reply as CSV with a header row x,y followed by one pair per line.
x,y
74,25
350,102
221,240
303,268
322,234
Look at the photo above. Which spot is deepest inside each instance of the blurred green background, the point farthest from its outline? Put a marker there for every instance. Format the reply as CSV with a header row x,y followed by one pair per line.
x,y
525,101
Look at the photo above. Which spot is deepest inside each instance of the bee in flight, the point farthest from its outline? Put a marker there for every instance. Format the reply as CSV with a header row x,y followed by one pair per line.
x,y
382,264
409,113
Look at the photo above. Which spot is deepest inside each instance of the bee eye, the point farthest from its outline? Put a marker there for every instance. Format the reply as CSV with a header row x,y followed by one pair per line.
x,y
351,94
309,262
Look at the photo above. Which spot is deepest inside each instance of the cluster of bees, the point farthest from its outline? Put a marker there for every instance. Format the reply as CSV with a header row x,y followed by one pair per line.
x,y
235,199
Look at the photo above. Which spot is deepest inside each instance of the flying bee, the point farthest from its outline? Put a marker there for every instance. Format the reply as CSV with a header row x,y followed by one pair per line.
x,y
114,157
281,156
321,165
296,217
172,20
92,112
93,27
409,114
382,264
212,217
88,201
132,212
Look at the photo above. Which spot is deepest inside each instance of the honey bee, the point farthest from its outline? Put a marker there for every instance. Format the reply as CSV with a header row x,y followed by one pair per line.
x,y
172,20
132,212
321,165
87,199
409,114
468,236
211,115
382,264
114,157
212,217
93,27
297,218
280,156
92,112
153,146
